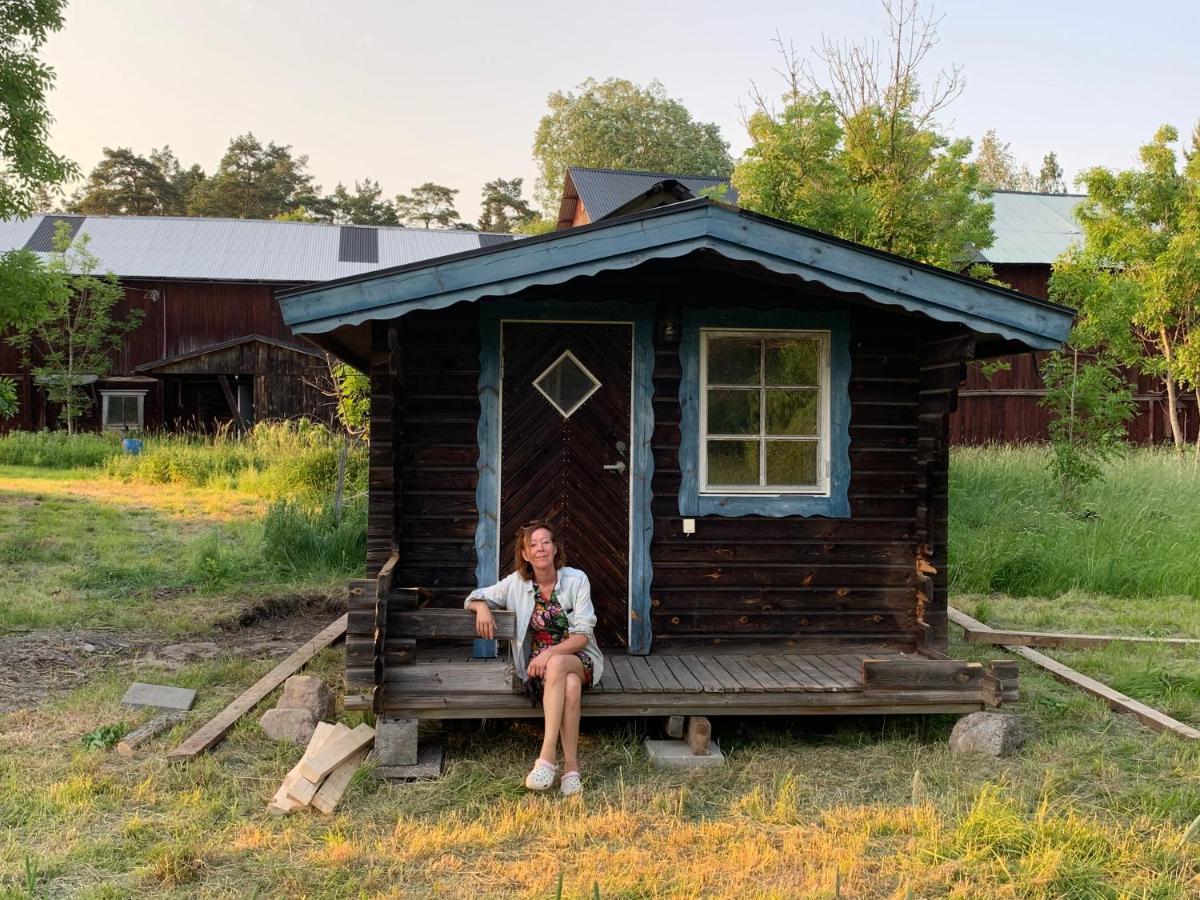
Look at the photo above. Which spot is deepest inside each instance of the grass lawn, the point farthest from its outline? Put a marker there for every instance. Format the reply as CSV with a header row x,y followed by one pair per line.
x,y
1095,805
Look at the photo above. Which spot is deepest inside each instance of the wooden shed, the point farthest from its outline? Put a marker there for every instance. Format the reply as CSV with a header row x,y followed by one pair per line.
x,y
740,426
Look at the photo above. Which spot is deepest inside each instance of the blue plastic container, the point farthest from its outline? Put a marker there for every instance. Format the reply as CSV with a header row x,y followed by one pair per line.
x,y
132,446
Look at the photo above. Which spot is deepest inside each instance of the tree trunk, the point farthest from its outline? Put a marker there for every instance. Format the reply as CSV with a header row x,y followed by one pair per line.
x,y
1172,390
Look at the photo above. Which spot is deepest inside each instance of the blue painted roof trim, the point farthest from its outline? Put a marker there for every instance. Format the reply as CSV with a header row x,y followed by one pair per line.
x,y
673,231
835,504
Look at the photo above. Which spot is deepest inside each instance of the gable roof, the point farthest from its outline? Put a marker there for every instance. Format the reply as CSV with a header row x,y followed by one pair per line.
x,y
603,190
226,345
167,247
672,232
1032,228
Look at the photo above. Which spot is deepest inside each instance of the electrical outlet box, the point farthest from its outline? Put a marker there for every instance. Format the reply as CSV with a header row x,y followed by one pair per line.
x,y
689,526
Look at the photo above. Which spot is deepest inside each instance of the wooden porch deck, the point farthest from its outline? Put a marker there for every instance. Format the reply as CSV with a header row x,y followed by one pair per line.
x,y
708,683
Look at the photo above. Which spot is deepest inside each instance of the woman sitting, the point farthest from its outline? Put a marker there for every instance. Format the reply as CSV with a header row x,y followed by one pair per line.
x,y
555,633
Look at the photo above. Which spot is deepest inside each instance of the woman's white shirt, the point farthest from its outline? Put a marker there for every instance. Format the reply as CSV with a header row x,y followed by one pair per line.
x,y
574,593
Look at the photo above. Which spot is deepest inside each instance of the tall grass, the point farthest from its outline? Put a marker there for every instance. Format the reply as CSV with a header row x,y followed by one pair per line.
x,y
57,449
1136,533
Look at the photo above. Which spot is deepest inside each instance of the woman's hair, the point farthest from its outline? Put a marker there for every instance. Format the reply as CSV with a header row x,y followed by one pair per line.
x,y
523,567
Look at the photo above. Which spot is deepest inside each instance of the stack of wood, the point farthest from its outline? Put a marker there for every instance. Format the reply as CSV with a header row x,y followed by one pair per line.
x,y
321,777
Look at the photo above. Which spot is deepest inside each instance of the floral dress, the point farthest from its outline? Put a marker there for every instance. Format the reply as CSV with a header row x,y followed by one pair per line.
x,y
549,626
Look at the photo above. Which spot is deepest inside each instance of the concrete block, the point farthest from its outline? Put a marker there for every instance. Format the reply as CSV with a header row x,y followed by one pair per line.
x,y
677,755
159,696
396,742
428,765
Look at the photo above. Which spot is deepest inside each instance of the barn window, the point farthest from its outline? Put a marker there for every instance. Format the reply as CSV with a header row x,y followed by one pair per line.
x,y
764,413
123,410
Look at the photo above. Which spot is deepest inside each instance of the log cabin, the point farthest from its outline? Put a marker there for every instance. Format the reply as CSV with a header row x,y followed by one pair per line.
x,y
740,427
211,348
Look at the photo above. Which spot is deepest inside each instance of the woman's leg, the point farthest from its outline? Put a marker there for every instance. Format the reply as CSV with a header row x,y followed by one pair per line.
x,y
570,722
554,700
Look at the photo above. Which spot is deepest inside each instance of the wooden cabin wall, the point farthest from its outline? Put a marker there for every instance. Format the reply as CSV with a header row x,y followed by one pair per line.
x,y
802,579
436,453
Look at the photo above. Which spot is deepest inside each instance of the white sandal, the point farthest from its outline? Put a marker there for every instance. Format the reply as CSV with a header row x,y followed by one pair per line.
x,y
541,776
571,784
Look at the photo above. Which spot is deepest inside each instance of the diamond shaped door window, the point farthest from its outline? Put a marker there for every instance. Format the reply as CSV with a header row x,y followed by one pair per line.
x,y
567,384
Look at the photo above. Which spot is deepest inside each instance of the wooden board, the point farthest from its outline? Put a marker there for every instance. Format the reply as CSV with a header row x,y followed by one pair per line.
x,y
447,623
212,732
978,633
922,675
1115,699
336,752
145,732
334,786
282,802
480,676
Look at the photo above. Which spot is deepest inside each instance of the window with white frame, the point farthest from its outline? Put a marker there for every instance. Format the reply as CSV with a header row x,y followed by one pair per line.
x,y
764,412
123,410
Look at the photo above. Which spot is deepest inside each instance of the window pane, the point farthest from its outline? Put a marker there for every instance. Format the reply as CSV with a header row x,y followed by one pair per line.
x,y
566,385
733,462
733,360
793,360
792,462
792,412
733,412
130,413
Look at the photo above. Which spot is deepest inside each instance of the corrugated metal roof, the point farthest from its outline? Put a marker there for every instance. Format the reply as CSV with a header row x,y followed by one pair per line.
x,y
603,190
1032,228
241,249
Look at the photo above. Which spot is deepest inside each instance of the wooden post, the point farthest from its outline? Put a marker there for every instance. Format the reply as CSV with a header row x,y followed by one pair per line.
x,y
238,420
698,733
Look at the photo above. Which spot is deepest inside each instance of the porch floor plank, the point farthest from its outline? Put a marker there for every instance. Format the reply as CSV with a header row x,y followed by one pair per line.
x,y
707,681
683,675
729,682
622,667
783,675
807,676
645,674
663,672
746,681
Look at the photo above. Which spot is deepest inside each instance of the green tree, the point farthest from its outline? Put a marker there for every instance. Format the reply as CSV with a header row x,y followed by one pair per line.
x,y
997,167
1089,403
26,289
257,181
27,163
183,181
1050,176
428,204
73,344
503,209
364,206
125,184
858,153
1135,280
617,124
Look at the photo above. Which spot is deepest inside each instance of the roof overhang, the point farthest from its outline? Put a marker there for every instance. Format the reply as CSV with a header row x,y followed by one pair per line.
x,y
210,349
671,232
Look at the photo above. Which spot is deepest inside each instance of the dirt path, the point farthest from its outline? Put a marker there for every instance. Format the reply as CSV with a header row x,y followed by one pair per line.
x,y
36,666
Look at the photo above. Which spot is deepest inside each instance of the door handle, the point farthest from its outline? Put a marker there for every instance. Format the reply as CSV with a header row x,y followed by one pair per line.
x,y
616,467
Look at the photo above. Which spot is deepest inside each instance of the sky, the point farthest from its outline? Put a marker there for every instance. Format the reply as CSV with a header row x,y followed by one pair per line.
x,y
406,93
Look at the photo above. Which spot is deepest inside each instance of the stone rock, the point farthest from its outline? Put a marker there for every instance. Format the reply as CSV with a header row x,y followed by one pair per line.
x,y
310,693
990,733
295,725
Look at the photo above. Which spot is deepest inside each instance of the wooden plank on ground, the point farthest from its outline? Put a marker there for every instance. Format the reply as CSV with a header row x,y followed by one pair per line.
x,y
334,786
212,732
1147,715
282,802
977,632
336,752
143,733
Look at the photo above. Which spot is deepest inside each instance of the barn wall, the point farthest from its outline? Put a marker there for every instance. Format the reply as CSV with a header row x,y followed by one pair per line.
x,y
1006,408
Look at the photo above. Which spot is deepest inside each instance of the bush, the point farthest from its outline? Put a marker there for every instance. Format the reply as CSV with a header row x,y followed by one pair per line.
x,y
57,449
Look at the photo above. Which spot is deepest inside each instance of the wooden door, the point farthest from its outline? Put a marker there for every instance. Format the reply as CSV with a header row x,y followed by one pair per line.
x,y
565,438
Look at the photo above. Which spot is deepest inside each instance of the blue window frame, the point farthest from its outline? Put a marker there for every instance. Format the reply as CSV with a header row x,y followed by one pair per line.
x,y
734,455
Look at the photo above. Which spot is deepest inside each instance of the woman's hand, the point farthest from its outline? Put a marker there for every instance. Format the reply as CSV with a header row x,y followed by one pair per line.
x,y
485,622
537,665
